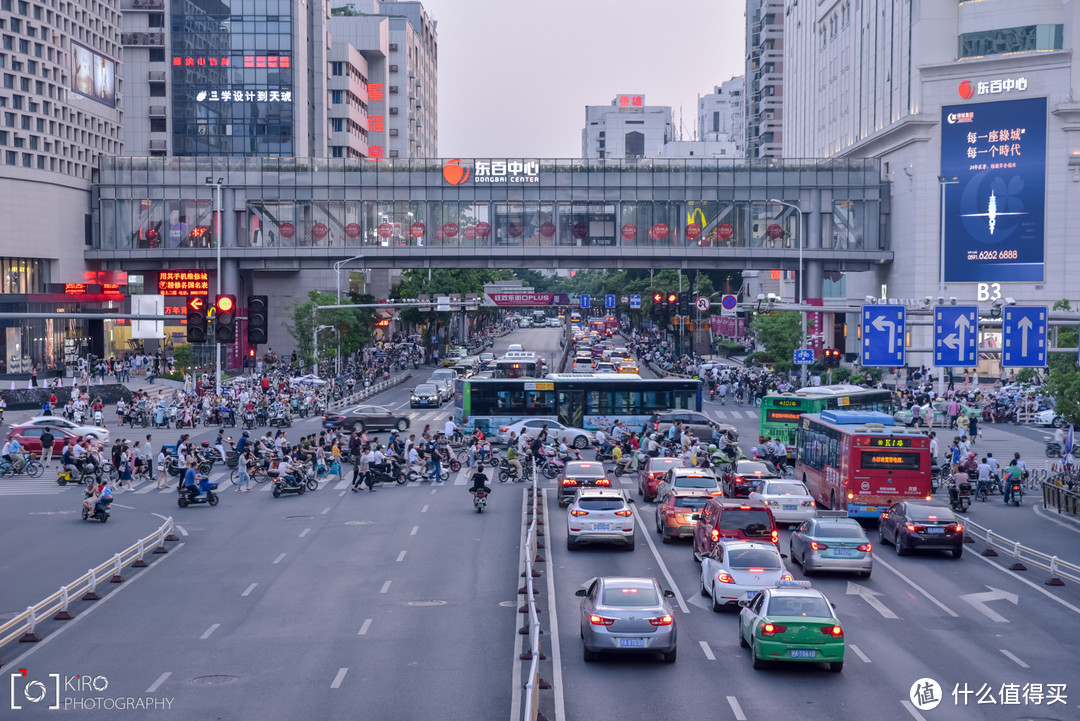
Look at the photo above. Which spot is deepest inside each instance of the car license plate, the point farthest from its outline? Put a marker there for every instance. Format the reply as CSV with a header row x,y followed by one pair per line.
x,y
601,526
935,529
748,595
632,643
844,552
789,508
804,653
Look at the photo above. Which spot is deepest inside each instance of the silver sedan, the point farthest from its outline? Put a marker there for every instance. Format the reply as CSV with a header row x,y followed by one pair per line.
x,y
620,614
577,437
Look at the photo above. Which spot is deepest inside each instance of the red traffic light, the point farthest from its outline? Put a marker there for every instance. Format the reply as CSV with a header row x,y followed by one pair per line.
x,y
195,303
251,352
672,298
225,303
658,298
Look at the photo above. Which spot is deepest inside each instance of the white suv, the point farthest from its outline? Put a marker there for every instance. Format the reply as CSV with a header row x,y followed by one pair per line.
x,y
602,515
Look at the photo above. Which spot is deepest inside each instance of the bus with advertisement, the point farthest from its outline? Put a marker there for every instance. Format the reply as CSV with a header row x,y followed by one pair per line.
x,y
611,325
780,412
859,462
579,400
575,319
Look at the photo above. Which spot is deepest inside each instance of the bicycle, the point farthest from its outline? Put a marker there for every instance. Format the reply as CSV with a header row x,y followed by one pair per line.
x,y
30,467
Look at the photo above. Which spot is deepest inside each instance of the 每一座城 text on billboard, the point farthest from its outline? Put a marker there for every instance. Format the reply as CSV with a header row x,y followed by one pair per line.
x,y
995,214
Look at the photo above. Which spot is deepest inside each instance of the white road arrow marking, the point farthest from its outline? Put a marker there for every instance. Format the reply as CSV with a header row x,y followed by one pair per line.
x,y
1024,325
854,589
979,601
880,323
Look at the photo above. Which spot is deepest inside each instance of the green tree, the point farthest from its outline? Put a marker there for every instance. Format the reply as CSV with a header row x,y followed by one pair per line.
x,y
780,332
353,325
1064,380
183,357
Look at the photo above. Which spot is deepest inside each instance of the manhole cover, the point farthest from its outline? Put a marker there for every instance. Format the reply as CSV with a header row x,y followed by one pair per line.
x,y
214,680
358,523
426,603
507,604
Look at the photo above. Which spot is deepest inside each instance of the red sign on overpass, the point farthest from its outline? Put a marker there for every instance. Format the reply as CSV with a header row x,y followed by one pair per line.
x,y
528,298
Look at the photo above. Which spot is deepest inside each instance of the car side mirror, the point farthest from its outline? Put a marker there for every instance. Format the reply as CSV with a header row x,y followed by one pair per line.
x,y
743,603
631,500
669,594
581,592
695,517
783,555
832,604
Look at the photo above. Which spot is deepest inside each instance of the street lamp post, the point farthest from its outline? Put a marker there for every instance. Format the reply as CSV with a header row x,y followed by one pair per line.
x,y
315,345
337,277
943,181
209,180
802,297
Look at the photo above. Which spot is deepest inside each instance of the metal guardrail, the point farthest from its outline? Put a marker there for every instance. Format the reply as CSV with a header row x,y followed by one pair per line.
x,y
534,683
24,626
368,391
1022,555
1066,502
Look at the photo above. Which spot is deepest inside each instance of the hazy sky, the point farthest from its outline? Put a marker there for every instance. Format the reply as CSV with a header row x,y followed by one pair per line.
x,y
515,75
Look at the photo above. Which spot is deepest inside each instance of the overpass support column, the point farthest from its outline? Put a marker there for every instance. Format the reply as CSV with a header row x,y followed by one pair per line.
x,y
813,279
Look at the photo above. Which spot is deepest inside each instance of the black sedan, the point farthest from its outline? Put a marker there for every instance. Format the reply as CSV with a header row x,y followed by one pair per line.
x,y
371,418
910,526
425,395
743,479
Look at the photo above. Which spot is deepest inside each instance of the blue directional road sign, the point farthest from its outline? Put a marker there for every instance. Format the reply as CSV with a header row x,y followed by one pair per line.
x,y
609,300
1023,336
956,335
584,300
883,335
804,356
635,302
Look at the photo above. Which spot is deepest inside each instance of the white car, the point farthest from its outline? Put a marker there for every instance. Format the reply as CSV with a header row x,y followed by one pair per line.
x,y
102,434
577,437
600,515
735,570
1049,418
789,501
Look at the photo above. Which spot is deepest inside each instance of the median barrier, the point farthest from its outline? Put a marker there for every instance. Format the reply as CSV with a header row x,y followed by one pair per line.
x,y
1067,502
1022,555
533,683
24,626
368,391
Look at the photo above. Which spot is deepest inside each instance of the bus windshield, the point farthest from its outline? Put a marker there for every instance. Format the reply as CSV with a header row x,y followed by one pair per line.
x,y
780,412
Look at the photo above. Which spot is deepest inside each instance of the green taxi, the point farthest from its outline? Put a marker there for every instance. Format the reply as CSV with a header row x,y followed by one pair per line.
x,y
791,623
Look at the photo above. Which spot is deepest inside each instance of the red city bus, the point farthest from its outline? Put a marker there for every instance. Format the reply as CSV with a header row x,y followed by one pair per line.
x,y
860,462
611,325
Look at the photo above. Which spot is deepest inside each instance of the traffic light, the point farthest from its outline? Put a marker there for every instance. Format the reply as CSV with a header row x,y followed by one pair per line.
x,y
832,358
196,319
658,306
258,319
225,319
684,303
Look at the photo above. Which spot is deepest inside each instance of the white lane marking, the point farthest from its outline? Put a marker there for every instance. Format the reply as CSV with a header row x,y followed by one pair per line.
x,y
385,587
462,477
1012,657
414,530
736,708
433,491
305,532
401,556
207,632
341,485
146,489
1040,589
248,590
625,481
663,566
858,652
515,665
706,650
324,511
364,627
342,493
336,683
160,680
279,558
424,509
911,710
917,587
1072,526
556,649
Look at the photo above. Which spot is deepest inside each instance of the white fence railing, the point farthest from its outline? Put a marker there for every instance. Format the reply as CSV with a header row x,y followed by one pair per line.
x,y
24,626
1022,556
533,683
368,391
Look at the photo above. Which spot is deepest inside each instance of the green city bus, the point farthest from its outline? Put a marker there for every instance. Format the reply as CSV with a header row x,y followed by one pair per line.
x,y
780,412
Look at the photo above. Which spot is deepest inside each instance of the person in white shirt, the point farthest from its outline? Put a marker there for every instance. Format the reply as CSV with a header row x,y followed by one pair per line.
x,y
602,441
450,429
162,469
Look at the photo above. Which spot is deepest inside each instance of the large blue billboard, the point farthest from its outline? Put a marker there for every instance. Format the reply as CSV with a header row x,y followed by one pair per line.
x,y
994,215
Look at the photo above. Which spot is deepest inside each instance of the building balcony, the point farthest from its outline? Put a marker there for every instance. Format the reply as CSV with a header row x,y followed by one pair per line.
x,y
158,111
156,76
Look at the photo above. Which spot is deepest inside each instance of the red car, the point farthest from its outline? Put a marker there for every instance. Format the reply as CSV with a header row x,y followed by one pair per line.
x,y
728,518
29,438
654,471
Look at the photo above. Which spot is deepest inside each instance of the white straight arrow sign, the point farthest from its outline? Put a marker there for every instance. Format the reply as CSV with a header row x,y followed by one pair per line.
x,y
854,589
1025,325
879,323
979,600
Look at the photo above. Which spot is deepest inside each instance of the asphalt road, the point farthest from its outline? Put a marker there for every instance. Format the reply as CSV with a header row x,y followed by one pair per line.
x,y
401,604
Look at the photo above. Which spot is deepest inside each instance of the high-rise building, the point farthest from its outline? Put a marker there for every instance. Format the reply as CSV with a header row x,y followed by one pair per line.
x,y
60,111
970,108
384,80
764,78
229,77
722,114
627,128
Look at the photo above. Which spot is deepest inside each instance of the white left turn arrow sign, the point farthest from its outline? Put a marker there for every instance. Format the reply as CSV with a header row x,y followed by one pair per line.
x,y
979,601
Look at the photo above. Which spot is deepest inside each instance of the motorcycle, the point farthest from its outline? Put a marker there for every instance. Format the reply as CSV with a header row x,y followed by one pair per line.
x,y
101,510
249,420
159,418
479,500
1016,494
1054,450
509,473
280,420
960,500
602,455
291,483
86,477
187,497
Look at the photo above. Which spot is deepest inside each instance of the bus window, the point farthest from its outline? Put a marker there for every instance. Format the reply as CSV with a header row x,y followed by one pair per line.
x,y
684,400
625,402
656,400
598,403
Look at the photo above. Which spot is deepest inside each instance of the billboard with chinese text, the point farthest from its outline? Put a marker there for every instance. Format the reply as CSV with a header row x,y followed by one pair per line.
x,y
995,213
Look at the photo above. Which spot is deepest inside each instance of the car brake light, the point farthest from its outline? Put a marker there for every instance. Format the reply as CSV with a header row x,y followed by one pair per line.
x,y
744,508
929,497
850,495
787,577
771,629
662,621
915,529
808,503
834,631
603,482
815,546
738,480
756,570
866,547
624,512
578,512
600,620
504,429
569,482
775,537
959,528
725,578
715,535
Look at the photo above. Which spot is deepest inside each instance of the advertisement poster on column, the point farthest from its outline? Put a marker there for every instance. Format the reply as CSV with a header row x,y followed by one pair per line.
x,y
995,214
